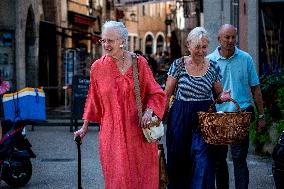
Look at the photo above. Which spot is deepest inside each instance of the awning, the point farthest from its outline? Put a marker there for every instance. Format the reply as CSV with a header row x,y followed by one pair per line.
x,y
81,18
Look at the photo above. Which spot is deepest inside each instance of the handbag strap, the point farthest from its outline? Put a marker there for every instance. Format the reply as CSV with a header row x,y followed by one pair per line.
x,y
137,86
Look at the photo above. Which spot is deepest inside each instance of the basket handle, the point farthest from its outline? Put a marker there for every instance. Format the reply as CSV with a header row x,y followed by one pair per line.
x,y
230,100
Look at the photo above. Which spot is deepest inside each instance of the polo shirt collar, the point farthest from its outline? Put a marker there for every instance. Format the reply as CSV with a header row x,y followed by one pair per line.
x,y
218,55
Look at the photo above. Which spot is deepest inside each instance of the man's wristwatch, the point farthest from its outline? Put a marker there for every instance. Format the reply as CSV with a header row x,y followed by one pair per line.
x,y
261,116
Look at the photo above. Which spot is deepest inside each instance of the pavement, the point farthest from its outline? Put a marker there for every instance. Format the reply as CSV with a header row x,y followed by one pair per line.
x,y
55,166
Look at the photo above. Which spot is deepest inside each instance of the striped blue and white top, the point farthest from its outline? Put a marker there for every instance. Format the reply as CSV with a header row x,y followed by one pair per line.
x,y
194,88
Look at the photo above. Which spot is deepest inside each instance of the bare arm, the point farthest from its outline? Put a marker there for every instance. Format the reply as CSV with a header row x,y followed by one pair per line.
x,y
256,92
170,89
85,125
220,96
217,90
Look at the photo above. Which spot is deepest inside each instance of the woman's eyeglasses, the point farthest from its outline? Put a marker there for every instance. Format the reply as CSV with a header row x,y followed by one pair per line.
x,y
109,41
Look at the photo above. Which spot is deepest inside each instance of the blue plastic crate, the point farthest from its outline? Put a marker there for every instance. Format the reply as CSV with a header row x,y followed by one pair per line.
x,y
26,104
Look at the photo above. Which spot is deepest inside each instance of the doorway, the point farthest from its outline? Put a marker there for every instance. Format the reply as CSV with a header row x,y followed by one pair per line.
x,y
48,63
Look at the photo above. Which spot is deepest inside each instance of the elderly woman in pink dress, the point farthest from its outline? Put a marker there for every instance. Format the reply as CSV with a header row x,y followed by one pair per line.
x,y
128,160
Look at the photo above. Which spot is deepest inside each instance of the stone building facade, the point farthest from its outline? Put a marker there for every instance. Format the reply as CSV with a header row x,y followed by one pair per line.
x,y
40,40
19,42
146,25
260,29
243,14
151,24
34,38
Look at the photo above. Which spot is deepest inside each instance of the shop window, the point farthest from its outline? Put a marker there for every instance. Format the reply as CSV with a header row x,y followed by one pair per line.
x,y
143,10
160,44
7,57
149,45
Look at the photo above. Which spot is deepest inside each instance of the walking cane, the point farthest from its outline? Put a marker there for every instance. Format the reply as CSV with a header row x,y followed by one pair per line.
x,y
79,142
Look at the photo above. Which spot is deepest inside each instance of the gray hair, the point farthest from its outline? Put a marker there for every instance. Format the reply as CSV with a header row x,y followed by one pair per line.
x,y
196,35
122,30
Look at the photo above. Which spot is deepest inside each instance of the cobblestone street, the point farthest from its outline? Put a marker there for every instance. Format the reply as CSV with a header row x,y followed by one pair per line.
x,y
56,162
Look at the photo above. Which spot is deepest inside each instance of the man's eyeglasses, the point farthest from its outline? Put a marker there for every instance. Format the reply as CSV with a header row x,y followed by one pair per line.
x,y
109,41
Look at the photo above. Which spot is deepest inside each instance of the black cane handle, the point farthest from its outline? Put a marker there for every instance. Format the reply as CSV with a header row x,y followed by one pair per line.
x,y
78,140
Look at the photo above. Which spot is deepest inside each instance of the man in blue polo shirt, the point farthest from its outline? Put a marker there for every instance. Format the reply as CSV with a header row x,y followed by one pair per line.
x,y
238,75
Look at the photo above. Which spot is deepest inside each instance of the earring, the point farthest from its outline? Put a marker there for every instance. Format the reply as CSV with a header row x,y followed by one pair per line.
x,y
121,46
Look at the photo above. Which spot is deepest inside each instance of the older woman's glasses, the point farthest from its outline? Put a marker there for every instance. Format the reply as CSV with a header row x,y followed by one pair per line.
x,y
109,41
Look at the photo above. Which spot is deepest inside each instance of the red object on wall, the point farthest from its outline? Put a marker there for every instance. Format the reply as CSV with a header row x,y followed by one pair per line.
x,y
83,20
96,39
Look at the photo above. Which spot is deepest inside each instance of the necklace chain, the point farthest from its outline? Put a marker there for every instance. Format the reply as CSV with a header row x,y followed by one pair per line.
x,y
121,67
197,67
123,58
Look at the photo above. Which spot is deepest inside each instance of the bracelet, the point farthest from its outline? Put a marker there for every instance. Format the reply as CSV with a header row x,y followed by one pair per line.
x,y
261,116
148,110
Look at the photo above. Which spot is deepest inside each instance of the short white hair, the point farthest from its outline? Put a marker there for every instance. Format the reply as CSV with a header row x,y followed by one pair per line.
x,y
196,35
122,30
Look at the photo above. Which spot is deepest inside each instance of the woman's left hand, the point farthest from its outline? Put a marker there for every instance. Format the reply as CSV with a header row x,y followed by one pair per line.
x,y
146,118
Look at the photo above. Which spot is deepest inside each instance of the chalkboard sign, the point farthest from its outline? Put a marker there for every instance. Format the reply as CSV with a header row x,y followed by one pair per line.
x,y
80,86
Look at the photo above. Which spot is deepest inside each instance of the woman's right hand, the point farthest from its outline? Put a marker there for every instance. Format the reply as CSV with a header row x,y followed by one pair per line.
x,y
225,96
81,132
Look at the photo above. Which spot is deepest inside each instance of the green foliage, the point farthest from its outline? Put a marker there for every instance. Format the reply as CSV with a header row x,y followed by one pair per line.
x,y
273,108
280,103
280,97
271,81
258,138
280,126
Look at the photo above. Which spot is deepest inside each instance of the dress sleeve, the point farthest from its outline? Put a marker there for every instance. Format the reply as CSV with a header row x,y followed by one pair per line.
x,y
92,110
173,69
152,94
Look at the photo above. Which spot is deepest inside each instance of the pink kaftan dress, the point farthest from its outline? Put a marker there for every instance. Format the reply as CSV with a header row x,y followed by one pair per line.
x,y
128,161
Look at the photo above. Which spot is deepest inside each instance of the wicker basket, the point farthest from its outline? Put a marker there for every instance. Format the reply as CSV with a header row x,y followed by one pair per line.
x,y
226,127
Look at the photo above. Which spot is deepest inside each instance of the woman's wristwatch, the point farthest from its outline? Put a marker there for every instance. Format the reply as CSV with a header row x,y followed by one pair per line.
x,y
261,116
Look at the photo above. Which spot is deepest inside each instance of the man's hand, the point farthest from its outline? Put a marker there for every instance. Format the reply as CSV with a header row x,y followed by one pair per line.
x,y
260,125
